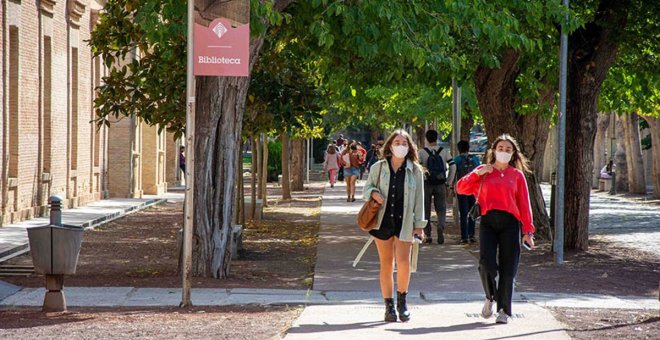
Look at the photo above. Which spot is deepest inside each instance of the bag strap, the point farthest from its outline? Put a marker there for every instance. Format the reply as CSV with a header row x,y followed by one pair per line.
x,y
379,171
480,185
378,181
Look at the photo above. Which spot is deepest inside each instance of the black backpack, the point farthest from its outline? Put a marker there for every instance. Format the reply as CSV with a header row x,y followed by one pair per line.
x,y
466,167
437,171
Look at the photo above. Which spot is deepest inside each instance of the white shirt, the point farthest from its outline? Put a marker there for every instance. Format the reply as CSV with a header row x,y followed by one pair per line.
x,y
446,157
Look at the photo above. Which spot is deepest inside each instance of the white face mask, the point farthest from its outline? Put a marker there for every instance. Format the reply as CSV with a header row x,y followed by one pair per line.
x,y
503,157
400,151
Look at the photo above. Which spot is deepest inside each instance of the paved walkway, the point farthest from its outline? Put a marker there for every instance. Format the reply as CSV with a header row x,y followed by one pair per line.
x,y
628,223
446,295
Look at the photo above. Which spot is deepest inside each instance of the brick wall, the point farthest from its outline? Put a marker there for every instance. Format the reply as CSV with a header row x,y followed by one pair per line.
x,y
48,145
44,136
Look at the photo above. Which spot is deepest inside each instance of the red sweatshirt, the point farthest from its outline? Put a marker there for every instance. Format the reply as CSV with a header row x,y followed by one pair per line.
x,y
506,190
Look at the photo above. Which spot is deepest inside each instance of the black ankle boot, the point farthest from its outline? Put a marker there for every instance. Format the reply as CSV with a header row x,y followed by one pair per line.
x,y
390,313
402,307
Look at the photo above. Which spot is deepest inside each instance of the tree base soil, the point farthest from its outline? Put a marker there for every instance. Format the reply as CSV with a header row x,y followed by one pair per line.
x,y
231,322
142,250
587,324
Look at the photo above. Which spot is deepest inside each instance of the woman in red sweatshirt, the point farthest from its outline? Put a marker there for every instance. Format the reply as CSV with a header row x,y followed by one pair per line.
x,y
501,189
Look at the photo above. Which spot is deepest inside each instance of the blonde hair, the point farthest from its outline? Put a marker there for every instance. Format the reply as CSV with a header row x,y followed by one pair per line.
x,y
518,160
412,147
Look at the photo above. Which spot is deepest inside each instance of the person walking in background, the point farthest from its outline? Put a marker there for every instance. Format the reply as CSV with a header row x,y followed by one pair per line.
x,y
352,158
436,160
501,191
341,147
400,219
465,163
370,155
331,163
340,140
182,159
363,156
334,145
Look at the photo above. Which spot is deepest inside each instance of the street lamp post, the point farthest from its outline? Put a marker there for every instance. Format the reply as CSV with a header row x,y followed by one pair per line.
x,y
561,145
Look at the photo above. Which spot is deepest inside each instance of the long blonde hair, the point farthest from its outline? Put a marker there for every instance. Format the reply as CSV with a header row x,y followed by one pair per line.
x,y
518,160
412,147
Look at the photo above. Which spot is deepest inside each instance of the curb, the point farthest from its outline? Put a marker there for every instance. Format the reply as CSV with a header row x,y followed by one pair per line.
x,y
113,297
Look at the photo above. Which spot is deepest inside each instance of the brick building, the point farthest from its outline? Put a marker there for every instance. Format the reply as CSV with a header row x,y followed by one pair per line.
x,y
49,145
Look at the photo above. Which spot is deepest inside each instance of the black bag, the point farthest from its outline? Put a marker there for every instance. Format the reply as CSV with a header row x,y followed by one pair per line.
x,y
435,165
340,174
466,167
475,212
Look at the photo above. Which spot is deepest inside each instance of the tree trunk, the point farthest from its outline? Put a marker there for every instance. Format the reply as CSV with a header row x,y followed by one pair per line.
x,y
254,144
286,180
592,50
420,135
654,125
240,187
467,122
600,159
636,179
260,167
297,165
549,156
496,93
375,132
264,174
620,157
218,122
218,125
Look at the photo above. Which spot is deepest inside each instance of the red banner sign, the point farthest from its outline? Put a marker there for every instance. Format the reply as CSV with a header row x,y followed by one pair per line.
x,y
222,50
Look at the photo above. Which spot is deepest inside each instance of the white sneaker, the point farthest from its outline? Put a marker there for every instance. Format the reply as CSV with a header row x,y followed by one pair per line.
x,y
502,317
487,311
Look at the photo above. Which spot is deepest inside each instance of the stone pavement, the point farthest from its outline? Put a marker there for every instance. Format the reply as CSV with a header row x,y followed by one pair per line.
x,y
628,223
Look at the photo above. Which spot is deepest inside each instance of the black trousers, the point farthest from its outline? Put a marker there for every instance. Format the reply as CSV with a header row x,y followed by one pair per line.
x,y
437,193
499,256
465,203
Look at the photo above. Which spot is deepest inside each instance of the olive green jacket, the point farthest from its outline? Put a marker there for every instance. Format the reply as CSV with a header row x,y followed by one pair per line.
x,y
413,203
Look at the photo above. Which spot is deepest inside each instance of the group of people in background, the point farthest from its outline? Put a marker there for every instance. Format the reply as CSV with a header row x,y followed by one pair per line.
x,y
408,182
348,160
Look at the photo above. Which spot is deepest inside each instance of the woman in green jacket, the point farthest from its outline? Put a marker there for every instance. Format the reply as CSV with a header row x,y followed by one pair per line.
x,y
401,216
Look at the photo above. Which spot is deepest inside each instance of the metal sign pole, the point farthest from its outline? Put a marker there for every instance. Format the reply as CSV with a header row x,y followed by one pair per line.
x,y
561,146
186,270
455,138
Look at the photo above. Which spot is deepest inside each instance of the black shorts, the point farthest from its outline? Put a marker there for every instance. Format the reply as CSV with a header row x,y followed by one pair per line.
x,y
386,231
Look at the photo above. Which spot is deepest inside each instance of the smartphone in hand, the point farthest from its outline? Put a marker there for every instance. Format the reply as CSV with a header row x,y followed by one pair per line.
x,y
526,246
